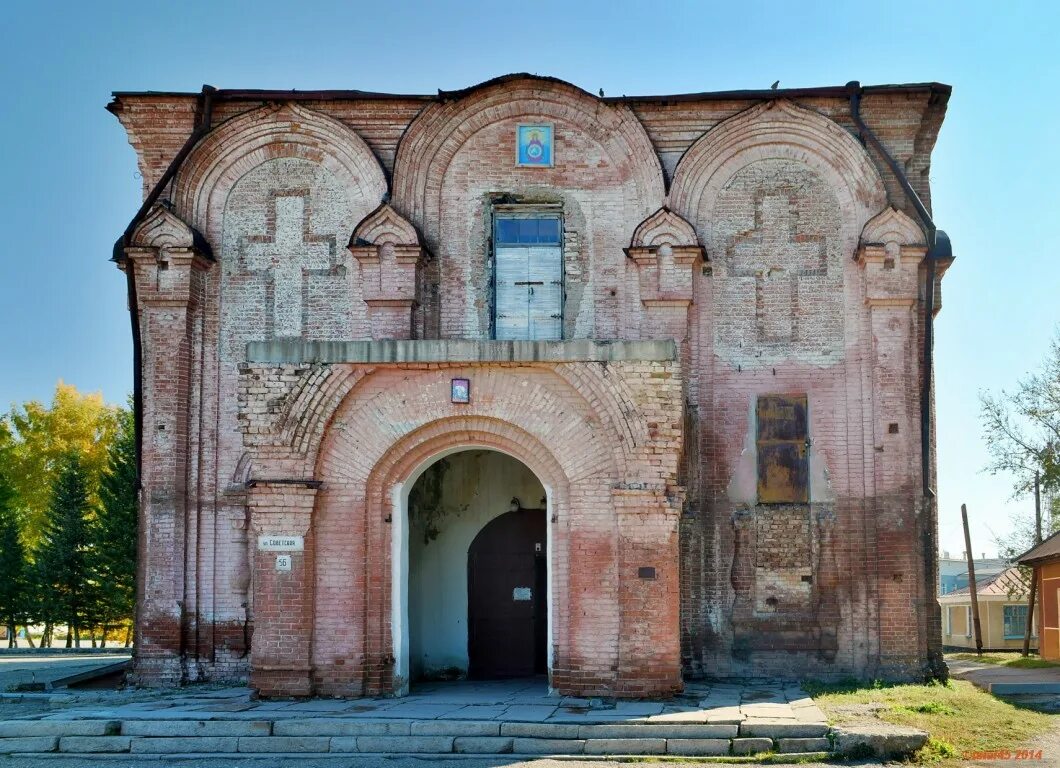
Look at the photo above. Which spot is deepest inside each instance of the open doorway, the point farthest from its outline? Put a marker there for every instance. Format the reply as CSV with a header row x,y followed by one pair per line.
x,y
477,569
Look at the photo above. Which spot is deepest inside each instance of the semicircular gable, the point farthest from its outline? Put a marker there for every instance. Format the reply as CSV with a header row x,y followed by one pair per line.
x,y
439,131
244,142
778,130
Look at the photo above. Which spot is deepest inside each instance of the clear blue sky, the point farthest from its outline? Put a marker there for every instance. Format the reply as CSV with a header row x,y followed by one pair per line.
x,y
70,184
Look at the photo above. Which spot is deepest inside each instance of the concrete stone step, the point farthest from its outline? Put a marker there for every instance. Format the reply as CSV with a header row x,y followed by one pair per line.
x,y
344,736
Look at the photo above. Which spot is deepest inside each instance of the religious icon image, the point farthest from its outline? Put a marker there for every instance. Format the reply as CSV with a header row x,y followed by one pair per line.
x,y
461,391
534,145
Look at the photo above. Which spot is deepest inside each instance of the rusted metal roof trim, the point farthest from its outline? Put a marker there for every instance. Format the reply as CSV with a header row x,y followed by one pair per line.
x,y
831,91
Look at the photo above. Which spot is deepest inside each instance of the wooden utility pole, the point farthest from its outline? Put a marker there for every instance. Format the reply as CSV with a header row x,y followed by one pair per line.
x,y
971,583
1034,571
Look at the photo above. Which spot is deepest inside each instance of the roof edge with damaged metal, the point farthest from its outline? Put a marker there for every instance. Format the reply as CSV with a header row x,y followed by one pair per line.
x,y
1047,550
835,91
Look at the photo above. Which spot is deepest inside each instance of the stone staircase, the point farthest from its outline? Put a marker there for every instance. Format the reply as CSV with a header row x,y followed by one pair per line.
x,y
343,736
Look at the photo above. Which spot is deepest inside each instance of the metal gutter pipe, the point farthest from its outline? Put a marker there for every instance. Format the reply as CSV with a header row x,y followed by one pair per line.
x,y
938,247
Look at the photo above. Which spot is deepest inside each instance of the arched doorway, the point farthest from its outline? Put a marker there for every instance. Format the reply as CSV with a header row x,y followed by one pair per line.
x,y
477,585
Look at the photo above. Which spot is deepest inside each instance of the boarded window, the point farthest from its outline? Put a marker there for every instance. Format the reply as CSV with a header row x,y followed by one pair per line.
x,y
783,471
528,278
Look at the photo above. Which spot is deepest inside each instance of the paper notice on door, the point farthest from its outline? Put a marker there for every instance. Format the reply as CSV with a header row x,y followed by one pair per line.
x,y
521,594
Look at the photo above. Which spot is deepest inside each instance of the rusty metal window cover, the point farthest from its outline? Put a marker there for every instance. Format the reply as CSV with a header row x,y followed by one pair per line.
x,y
782,439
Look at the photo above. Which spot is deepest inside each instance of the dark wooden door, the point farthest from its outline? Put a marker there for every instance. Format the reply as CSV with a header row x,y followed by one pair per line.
x,y
507,632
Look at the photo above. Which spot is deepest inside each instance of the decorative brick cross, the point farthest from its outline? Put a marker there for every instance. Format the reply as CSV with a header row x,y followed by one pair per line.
x,y
777,256
288,251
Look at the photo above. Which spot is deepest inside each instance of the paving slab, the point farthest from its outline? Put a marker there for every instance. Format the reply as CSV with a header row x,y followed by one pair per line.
x,y
417,711
411,744
476,712
645,730
528,712
29,744
483,745
88,744
183,744
646,746
456,728
804,745
273,744
725,715
548,746
693,747
184,728
638,708
541,730
773,710
340,728
751,746
22,728
776,729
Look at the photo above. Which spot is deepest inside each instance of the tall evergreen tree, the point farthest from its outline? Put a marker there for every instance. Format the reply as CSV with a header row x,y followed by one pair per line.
x,y
63,558
13,570
114,531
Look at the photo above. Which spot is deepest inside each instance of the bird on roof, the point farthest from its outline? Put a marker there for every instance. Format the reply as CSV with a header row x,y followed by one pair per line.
x,y
775,85
601,93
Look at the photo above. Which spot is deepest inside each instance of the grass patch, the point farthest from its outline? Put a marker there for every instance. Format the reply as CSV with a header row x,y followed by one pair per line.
x,y
960,717
1015,660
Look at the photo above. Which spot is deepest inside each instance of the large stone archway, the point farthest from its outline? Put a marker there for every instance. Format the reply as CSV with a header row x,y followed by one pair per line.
x,y
595,426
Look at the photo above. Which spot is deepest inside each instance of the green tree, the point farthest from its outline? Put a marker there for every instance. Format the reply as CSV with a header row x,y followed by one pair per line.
x,y
38,439
1022,433
63,575
115,527
13,570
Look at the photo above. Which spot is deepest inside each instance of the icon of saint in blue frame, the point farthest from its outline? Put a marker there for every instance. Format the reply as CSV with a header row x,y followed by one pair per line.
x,y
534,145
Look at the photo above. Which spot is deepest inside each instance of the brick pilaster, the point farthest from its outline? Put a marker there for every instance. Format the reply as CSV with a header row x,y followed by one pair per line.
x,y
283,594
169,285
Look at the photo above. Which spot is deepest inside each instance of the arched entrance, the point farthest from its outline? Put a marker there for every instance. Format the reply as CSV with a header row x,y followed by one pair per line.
x,y
476,585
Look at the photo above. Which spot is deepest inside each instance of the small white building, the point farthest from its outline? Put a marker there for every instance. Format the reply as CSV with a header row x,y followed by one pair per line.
x,y
1002,601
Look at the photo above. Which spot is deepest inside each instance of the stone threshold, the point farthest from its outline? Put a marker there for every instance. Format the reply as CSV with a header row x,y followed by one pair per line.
x,y
296,352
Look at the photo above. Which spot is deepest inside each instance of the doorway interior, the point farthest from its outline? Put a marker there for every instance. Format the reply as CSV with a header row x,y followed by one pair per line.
x,y
474,589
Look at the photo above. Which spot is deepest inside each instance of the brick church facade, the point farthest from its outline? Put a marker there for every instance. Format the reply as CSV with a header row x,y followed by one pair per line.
x,y
518,379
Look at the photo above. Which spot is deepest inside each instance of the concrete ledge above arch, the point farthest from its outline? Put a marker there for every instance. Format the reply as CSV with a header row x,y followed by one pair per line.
x,y
288,352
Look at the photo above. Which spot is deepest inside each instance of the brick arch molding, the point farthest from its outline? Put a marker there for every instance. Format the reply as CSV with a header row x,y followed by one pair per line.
x,y
240,144
436,135
784,130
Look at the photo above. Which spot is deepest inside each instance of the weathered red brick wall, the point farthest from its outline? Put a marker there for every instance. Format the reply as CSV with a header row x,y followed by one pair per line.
x,y
762,237
601,439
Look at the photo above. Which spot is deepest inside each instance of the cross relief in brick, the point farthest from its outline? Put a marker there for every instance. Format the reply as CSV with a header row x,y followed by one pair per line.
x,y
778,257
287,253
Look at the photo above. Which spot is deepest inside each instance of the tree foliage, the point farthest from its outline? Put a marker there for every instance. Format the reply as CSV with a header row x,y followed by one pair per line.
x,y
1022,433
35,441
63,561
1022,428
115,528
14,585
